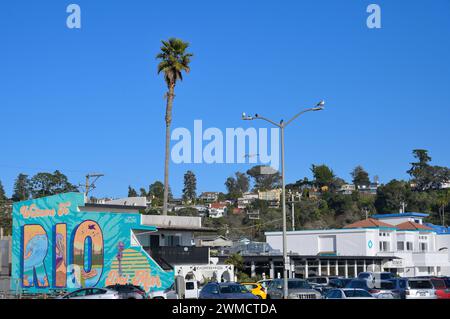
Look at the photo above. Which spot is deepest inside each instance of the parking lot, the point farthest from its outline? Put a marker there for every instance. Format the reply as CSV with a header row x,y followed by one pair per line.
x,y
367,285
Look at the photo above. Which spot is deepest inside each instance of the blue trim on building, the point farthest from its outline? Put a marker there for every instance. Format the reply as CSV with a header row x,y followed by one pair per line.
x,y
409,214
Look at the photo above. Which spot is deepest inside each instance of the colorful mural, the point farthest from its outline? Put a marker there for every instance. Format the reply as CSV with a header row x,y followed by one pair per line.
x,y
56,245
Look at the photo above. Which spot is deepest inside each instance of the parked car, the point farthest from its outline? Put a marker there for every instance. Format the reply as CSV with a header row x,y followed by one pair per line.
x,y
400,286
420,288
256,289
320,283
265,283
381,289
297,289
339,282
373,276
92,293
442,287
347,293
129,291
225,290
168,293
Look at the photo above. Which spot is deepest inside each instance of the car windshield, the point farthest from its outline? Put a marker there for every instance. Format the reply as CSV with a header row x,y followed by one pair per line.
x,y
438,283
420,284
298,284
233,289
363,276
356,293
357,284
321,280
387,285
447,282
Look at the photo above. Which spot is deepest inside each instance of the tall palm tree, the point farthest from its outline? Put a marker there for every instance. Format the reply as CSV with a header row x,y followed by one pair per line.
x,y
173,61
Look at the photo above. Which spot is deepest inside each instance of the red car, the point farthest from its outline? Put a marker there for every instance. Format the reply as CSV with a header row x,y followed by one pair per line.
x,y
442,286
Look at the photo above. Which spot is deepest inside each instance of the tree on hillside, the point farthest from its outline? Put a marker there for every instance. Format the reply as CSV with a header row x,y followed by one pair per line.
x,y
324,177
237,185
265,178
391,196
2,193
132,192
424,176
173,61
190,186
21,190
142,192
360,177
47,184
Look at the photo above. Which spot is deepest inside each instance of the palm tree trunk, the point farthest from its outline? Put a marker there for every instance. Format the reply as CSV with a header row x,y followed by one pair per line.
x,y
170,96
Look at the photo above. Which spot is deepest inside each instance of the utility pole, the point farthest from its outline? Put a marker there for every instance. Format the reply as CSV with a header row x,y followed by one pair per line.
x,y
293,211
91,185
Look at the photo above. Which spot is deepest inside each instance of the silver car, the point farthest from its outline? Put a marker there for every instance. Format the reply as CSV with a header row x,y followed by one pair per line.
x,y
420,289
92,293
348,293
297,289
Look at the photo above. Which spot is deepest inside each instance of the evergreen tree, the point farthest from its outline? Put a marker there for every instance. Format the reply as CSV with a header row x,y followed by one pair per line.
x,y
21,189
2,193
190,186
47,184
360,177
132,192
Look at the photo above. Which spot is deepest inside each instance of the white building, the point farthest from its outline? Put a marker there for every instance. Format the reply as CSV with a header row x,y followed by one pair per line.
x,y
246,199
411,248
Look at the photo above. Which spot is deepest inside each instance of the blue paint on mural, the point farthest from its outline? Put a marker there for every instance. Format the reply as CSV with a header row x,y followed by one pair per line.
x,y
56,245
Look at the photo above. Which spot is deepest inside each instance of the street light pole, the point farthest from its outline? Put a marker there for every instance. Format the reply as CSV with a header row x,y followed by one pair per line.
x,y
282,125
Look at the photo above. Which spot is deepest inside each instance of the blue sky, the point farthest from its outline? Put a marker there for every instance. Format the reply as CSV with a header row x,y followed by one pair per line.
x,y
90,100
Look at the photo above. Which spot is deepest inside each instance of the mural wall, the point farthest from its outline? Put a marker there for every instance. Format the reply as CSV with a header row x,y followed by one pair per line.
x,y
57,246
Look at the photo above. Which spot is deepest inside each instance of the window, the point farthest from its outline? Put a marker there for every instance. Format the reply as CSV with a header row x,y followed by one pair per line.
x,y
420,284
97,291
173,240
400,246
384,246
423,246
190,285
357,293
409,246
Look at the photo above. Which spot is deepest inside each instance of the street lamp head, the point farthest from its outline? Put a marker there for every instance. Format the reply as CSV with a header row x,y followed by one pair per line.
x,y
245,117
319,106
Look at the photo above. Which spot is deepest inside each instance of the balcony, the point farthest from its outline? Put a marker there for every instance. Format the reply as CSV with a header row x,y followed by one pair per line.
x,y
168,256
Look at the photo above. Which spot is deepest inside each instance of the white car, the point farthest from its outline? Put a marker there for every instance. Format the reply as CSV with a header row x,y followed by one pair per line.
x,y
348,293
418,288
92,293
168,293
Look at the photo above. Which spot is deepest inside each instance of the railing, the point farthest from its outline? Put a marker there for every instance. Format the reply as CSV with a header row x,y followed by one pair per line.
x,y
180,254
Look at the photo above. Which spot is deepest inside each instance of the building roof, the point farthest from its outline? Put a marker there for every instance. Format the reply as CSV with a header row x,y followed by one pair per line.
x,y
412,226
408,214
439,229
218,205
370,223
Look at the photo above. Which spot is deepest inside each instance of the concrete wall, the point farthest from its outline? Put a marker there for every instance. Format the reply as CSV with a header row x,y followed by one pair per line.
x,y
5,256
348,241
171,221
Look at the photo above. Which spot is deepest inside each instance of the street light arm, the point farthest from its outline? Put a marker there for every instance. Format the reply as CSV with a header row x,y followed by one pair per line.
x,y
258,117
300,113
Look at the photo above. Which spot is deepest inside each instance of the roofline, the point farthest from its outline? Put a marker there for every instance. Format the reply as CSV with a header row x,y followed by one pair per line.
x,y
92,205
411,214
